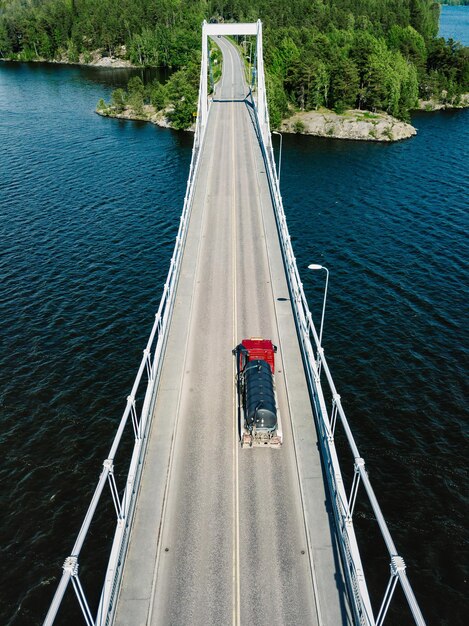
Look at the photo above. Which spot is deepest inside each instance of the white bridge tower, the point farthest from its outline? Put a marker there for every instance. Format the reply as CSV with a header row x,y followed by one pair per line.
x,y
249,28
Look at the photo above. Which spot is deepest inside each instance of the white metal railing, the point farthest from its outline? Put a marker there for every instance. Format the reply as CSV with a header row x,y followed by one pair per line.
x,y
148,373
315,368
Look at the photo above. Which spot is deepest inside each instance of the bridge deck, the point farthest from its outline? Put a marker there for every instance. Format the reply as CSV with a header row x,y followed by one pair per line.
x,y
222,534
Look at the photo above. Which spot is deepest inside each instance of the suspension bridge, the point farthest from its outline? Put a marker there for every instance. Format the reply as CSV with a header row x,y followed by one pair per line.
x,y
208,532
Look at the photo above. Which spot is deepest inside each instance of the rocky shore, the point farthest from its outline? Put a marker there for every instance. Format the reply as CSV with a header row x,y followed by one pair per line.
x,y
353,124
358,125
435,105
114,62
96,58
149,114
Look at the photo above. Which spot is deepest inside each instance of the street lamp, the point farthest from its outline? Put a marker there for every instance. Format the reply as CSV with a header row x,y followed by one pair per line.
x,y
321,267
275,132
250,57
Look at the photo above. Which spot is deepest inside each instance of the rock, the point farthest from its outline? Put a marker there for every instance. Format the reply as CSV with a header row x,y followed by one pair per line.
x,y
435,105
97,58
111,62
353,124
150,114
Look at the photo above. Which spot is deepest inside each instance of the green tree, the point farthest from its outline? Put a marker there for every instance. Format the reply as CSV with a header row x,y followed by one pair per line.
x,y
144,48
409,89
183,114
158,95
308,83
344,84
5,42
136,102
410,44
382,84
135,85
119,99
276,99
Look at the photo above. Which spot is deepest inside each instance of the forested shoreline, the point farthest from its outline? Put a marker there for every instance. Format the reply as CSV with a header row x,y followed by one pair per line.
x,y
376,55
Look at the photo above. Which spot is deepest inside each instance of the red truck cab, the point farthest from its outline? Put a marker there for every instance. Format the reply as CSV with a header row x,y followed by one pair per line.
x,y
258,348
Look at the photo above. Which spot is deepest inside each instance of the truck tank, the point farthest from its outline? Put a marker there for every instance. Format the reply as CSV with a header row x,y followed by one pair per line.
x,y
260,410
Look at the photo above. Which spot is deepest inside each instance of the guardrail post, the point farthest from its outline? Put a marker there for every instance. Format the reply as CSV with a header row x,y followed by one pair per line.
x,y
71,567
133,415
335,402
147,354
397,565
109,465
319,359
359,462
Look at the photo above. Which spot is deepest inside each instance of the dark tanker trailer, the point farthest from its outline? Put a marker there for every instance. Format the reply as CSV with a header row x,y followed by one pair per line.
x,y
259,419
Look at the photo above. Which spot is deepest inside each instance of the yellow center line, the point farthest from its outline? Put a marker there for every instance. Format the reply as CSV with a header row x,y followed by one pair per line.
x,y
236,575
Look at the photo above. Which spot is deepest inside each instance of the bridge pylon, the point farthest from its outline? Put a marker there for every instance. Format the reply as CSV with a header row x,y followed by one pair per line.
x,y
246,28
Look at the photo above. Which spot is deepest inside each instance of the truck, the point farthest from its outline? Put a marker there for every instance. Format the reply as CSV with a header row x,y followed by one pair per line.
x,y
258,414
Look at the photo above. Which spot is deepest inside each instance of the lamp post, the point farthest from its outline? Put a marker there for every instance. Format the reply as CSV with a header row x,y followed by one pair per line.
x,y
250,57
321,267
275,132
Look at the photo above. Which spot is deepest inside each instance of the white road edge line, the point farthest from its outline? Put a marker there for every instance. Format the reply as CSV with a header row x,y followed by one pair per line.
x,y
236,567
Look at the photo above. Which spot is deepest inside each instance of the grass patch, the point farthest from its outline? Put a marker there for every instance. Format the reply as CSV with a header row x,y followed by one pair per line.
x,y
299,126
370,116
388,133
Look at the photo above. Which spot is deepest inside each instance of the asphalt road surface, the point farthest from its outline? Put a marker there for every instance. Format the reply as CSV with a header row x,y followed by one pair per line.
x,y
220,533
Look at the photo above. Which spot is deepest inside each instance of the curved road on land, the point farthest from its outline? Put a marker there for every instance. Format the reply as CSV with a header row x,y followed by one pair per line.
x,y
220,535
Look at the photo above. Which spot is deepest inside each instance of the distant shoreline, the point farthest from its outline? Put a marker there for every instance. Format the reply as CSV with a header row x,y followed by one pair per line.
x,y
90,59
353,124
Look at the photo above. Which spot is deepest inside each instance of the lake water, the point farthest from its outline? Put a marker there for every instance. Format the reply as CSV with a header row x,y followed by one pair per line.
x,y
454,23
89,211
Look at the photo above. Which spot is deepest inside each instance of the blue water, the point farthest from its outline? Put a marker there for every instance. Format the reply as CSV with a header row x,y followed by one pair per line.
x,y
89,211
454,23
